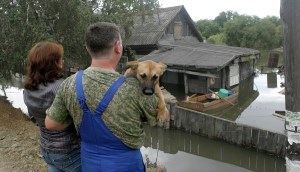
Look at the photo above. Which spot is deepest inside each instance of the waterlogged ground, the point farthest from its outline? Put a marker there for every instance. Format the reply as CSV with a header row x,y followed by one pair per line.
x,y
19,141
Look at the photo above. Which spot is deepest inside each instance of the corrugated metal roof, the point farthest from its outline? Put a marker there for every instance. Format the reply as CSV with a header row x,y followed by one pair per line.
x,y
198,55
149,31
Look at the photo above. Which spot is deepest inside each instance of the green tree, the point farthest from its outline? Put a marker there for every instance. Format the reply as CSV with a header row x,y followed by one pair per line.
x,y
253,32
234,30
223,17
123,12
26,22
208,28
20,28
266,35
67,22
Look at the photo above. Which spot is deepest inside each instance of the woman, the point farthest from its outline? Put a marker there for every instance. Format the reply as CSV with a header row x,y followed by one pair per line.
x,y
60,149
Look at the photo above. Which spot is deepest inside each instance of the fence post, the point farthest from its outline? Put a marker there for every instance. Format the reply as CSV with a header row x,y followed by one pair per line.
x,y
290,17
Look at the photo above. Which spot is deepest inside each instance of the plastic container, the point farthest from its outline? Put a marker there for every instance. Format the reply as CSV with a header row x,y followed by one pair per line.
x,y
230,93
223,92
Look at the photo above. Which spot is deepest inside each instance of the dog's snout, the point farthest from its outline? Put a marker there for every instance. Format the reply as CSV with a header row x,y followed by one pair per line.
x,y
148,91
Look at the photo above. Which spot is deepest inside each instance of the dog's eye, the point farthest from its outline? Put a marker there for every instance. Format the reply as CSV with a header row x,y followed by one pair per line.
x,y
154,77
143,76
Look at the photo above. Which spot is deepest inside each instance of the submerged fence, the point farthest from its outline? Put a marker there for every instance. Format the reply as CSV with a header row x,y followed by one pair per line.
x,y
229,131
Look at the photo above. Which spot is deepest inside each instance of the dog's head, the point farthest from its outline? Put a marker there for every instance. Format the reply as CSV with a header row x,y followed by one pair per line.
x,y
148,73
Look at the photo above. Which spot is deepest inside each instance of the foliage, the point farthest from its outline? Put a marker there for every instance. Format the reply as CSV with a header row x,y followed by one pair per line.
x,y
223,17
253,32
233,29
216,39
122,12
26,22
237,30
17,27
208,28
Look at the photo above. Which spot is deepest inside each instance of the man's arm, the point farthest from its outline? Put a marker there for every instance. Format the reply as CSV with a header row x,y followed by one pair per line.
x,y
53,125
57,116
149,108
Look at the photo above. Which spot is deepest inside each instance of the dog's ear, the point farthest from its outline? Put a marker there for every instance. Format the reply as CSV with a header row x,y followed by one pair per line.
x,y
163,67
132,64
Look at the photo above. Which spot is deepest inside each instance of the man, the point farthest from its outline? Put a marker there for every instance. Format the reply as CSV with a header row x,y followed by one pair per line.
x,y
111,131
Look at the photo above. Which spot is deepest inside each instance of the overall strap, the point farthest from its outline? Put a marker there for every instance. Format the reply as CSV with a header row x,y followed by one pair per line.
x,y
79,91
109,95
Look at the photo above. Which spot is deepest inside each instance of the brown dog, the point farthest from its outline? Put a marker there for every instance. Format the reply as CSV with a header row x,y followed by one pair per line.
x,y
148,73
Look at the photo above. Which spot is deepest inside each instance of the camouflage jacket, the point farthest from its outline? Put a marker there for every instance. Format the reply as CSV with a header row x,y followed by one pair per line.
x,y
122,116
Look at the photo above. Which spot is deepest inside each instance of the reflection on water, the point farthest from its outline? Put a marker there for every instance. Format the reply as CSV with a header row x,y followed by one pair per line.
x,y
272,80
246,96
185,162
259,112
181,151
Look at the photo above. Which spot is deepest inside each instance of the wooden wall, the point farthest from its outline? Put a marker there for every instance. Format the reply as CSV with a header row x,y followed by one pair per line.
x,y
197,84
186,29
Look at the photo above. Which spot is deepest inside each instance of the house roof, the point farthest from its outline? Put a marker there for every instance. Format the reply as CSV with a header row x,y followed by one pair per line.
x,y
150,30
197,55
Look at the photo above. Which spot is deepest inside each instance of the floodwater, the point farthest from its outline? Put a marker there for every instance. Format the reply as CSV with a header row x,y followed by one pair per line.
x,y
260,112
181,151
258,100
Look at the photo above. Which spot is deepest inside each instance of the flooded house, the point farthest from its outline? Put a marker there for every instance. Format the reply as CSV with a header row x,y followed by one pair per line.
x,y
169,35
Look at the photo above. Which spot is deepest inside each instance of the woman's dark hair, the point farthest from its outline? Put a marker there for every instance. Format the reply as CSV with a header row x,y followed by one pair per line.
x,y
44,64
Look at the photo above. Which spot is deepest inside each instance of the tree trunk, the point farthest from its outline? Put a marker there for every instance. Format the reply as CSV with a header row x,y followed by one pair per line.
x,y
3,89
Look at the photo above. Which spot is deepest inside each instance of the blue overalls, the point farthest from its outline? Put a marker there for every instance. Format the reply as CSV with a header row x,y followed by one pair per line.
x,y
101,150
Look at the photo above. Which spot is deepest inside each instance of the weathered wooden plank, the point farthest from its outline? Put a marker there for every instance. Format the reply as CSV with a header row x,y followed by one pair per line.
x,y
193,73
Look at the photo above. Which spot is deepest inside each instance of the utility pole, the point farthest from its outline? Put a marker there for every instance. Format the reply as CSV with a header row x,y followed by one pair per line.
x,y
290,18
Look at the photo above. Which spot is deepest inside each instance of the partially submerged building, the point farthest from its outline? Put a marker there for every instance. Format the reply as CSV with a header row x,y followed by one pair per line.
x,y
170,36
202,66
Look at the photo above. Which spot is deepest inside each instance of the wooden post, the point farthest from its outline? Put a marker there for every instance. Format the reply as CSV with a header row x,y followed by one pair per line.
x,y
223,78
290,17
207,84
186,86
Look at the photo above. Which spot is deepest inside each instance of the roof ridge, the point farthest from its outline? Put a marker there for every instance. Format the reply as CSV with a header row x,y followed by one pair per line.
x,y
172,7
160,10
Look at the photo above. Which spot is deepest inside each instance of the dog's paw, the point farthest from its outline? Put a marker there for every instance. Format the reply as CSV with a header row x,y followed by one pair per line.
x,y
162,115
